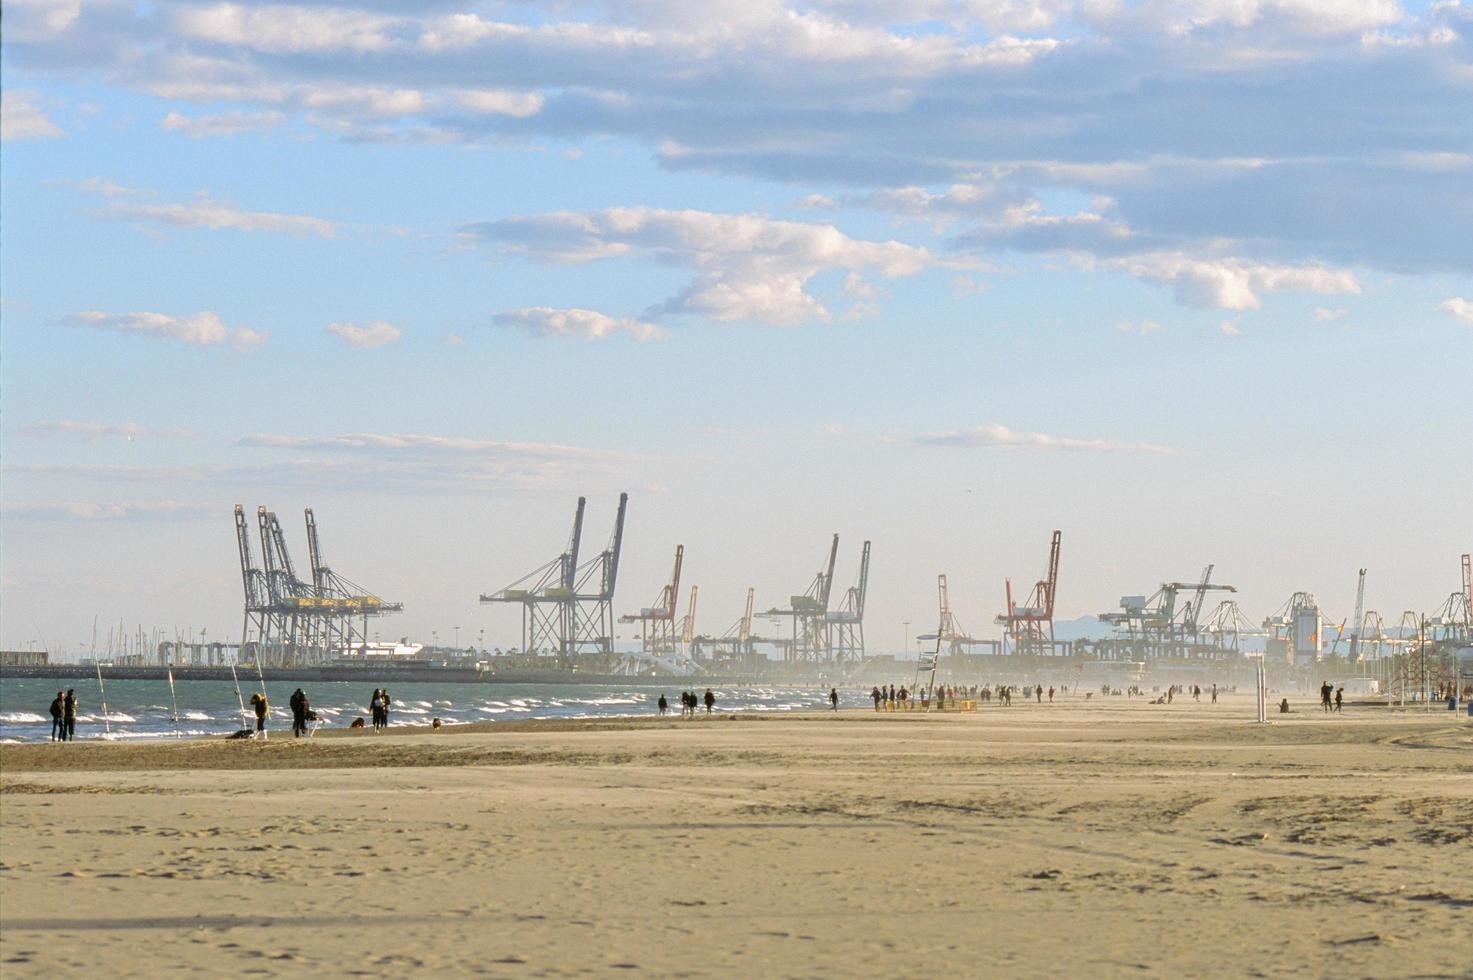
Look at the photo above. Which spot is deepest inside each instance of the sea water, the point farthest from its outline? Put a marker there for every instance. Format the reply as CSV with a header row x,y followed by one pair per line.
x,y
139,709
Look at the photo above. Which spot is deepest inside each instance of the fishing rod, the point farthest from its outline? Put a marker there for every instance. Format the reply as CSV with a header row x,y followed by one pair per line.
x,y
106,721
244,719
174,699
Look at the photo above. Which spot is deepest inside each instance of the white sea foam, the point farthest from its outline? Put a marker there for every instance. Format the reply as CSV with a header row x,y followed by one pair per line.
x,y
21,718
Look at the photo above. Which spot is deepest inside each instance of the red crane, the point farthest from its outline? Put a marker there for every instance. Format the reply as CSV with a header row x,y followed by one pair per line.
x,y
1032,624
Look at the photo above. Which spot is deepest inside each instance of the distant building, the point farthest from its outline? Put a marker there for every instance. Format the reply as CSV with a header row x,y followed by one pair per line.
x,y
23,658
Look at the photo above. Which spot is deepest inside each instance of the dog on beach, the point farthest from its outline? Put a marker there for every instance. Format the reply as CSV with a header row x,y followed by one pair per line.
x,y
357,723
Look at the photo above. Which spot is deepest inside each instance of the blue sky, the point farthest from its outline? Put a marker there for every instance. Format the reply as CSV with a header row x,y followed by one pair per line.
x,y
1192,282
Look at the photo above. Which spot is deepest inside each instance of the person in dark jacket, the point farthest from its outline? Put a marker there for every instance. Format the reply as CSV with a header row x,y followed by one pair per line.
x,y
834,697
69,715
710,700
299,713
58,723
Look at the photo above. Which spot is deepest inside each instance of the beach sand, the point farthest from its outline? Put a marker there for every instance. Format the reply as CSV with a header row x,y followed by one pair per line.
x,y
1098,838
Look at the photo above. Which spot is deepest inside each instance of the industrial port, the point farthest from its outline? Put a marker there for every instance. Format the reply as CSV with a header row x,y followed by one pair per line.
x,y
319,624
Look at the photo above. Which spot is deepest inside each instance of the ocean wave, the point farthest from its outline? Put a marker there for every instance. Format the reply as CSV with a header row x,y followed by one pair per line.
x,y
195,716
22,718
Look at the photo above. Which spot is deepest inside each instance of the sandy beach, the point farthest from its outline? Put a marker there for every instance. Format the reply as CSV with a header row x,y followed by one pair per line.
x,y
1097,838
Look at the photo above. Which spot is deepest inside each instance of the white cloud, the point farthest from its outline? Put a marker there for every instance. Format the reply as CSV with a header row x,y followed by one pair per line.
x,y
544,321
95,430
421,444
1324,314
1141,327
1229,283
1460,308
284,29
749,266
1000,436
21,119
202,329
365,336
152,510
221,124
216,215
503,102
1230,328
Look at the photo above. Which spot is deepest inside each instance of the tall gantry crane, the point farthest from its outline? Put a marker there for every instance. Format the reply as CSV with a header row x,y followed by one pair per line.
x,y
688,624
289,621
1030,627
657,622
592,625
809,613
546,595
735,644
1155,627
846,624
1358,621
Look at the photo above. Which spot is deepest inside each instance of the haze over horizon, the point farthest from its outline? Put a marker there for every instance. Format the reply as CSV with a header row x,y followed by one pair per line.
x,y
1191,282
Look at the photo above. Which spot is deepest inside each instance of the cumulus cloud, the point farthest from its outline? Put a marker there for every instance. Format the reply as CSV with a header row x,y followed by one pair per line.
x,y
203,329
1229,328
749,267
544,321
1460,308
1323,314
220,124
21,118
365,336
90,429
995,436
1231,283
504,102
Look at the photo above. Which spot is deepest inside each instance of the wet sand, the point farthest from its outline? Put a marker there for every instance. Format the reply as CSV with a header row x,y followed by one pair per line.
x,y
1099,838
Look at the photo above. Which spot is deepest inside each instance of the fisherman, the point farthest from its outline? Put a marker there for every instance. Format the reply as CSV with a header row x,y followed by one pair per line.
x,y
258,702
58,724
69,715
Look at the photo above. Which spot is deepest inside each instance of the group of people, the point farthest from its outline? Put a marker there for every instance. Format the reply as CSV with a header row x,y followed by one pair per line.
x,y
892,698
64,716
378,707
690,702
302,713
1331,698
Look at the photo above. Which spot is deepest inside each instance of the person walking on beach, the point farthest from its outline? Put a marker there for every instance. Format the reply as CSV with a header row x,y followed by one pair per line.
x,y
1325,692
384,710
875,694
1214,693
710,700
69,716
834,697
1051,695
258,702
664,706
376,707
1339,697
58,724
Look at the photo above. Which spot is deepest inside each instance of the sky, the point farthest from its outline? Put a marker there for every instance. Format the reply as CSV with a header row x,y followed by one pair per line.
x,y
1190,281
